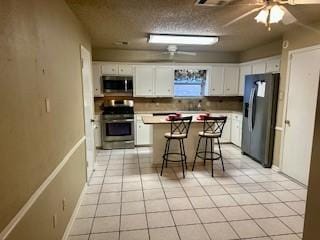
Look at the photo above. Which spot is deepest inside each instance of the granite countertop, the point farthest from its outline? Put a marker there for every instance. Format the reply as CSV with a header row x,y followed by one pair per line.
x,y
161,120
189,112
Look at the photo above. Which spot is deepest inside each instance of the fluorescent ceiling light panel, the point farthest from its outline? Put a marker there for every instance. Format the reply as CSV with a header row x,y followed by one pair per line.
x,y
182,39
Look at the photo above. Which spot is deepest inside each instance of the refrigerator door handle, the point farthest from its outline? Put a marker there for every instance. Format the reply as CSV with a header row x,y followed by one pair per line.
x,y
250,109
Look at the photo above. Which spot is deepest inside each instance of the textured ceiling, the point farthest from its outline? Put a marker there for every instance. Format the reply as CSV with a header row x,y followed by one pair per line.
x,y
109,21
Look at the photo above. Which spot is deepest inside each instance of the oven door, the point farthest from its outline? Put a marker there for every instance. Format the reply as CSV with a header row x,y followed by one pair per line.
x,y
118,130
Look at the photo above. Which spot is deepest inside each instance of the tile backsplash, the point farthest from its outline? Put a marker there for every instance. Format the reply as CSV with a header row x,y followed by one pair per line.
x,y
183,104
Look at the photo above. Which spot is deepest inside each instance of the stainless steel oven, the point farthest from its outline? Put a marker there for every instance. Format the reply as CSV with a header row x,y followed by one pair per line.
x,y
118,125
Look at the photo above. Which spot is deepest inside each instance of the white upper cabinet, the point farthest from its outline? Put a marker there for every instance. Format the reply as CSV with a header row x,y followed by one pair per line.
x,y
259,68
217,79
144,78
96,79
125,70
244,70
224,81
116,69
109,69
164,78
273,66
231,80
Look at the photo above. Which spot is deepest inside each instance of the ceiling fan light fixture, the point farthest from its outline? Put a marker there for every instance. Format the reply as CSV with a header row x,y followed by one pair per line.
x,y
182,39
276,14
262,16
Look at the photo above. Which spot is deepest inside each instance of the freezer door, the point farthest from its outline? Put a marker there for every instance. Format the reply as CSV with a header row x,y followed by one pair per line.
x,y
264,110
246,130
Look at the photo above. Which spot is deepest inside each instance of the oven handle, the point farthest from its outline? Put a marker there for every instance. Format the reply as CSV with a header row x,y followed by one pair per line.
x,y
118,121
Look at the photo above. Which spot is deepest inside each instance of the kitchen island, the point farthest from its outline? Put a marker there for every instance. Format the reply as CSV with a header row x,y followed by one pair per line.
x,y
161,126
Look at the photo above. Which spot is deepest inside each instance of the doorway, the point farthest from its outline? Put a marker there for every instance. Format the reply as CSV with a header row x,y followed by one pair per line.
x,y
88,106
303,77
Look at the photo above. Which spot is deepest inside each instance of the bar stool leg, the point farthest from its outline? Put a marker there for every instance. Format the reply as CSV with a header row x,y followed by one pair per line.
x,y
220,154
184,154
164,156
211,155
205,151
196,155
168,150
181,157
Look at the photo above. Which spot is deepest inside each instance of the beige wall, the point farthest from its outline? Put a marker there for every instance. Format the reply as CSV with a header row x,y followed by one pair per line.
x,y
262,51
40,58
298,38
312,217
116,55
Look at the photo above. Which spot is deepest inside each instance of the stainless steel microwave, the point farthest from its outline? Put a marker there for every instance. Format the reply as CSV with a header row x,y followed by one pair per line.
x,y
122,85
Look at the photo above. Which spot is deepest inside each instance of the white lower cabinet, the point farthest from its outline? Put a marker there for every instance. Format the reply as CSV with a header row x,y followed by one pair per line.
x,y
236,129
143,131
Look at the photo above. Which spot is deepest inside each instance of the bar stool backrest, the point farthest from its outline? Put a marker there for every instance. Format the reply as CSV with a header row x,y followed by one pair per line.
x,y
181,125
214,125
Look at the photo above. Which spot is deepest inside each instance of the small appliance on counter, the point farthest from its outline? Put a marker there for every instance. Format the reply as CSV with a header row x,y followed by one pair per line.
x,y
259,116
118,124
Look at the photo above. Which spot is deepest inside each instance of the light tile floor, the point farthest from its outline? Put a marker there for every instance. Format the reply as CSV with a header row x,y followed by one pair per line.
x,y
127,199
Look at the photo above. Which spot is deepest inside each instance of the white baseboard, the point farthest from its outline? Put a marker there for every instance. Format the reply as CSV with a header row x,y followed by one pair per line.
x,y
275,168
74,214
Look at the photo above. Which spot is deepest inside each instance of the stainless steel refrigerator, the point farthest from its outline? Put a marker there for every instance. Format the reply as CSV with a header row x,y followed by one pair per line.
x,y
259,116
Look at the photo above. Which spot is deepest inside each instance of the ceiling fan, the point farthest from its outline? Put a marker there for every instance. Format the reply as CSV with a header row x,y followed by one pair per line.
x,y
172,50
273,11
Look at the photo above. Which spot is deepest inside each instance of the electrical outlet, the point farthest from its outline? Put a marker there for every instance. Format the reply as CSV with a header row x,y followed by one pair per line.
x,y
54,220
64,204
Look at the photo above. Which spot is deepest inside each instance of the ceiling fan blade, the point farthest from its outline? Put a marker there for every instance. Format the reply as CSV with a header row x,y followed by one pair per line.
x,y
296,2
288,18
243,16
187,53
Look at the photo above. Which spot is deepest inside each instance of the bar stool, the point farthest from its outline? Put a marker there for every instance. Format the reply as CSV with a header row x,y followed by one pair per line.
x,y
212,130
179,128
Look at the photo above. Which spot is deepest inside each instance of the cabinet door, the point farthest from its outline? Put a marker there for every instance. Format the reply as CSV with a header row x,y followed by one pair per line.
x,y
244,70
110,69
231,80
143,133
164,82
226,134
144,79
216,87
273,66
96,78
235,132
125,70
259,68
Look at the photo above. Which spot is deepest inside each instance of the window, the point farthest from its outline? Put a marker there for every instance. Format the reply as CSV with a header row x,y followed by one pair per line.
x,y
189,83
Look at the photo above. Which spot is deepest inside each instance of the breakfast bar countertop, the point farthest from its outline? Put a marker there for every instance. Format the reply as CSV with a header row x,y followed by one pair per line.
x,y
162,119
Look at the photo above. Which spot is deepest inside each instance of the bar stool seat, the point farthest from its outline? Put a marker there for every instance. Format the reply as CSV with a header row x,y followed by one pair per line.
x,y
212,130
209,134
175,135
179,129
